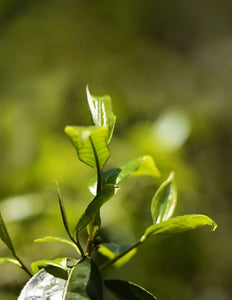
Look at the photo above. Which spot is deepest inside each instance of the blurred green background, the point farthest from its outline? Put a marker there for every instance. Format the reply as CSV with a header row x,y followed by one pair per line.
x,y
167,66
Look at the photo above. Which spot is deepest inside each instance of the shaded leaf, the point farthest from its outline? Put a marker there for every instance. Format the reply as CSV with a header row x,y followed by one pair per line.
x,y
63,212
4,235
90,143
58,239
140,166
105,194
126,290
85,282
10,260
164,200
102,113
180,224
113,250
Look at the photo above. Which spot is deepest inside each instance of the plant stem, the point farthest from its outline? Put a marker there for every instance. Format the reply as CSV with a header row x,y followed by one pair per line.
x,y
23,266
77,242
112,261
99,172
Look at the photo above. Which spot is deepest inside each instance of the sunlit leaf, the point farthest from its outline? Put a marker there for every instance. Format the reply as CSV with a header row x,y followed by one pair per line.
x,y
105,194
90,143
102,113
43,285
40,264
180,224
140,166
113,250
125,290
4,235
10,260
58,239
164,201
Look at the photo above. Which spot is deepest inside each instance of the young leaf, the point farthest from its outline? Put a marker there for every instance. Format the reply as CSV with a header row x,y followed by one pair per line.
x,y
179,224
4,235
43,285
40,264
90,143
113,250
85,281
10,260
58,239
102,113
105,194
63,213
140,166
126,290
164,201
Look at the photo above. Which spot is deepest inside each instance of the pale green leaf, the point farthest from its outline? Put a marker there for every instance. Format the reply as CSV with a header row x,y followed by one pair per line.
x,y
58,239
10,260
125,290
164,200
140,166
40,264
179,224
105,194
102,113
90,143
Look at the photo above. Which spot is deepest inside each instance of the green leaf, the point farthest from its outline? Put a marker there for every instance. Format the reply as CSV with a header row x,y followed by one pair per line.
x,y
140,166
58,239
126,290
179,224
90,143
4,235
85,282
10,260
40,264
43,285
102,113
113,250
164,201
105,194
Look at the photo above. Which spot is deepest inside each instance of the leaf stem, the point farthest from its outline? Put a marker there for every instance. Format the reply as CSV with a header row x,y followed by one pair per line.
x,y
112,261
23,266
99,171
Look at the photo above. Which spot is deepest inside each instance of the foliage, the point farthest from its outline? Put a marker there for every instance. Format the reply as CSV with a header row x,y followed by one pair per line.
x,y
80,277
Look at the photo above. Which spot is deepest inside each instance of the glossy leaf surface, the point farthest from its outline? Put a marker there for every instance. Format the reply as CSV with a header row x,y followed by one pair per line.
x,y
113,250
102,113
43,285
85,282
4,235
140,166
180,224
95,205
9,260
57,239
90,143
125,290
164,200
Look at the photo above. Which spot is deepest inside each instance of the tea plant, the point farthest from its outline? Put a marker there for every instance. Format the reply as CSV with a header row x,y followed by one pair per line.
x,y
80,277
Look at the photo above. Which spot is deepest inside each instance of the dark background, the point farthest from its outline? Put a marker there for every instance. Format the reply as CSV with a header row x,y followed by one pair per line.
x,y
167,66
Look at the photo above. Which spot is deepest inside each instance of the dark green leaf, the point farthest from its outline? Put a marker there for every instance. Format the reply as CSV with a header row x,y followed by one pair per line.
x,y
43,285
4,234
105,194
90,143
125,290
58,239
140,166
63,213
164,201
180,224
102,113
85,282
10,260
